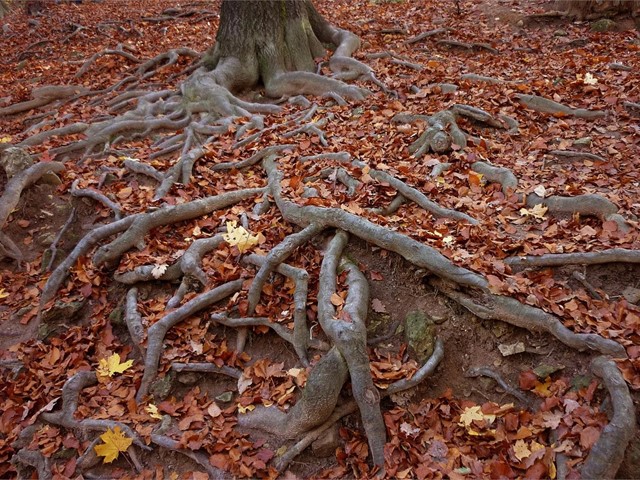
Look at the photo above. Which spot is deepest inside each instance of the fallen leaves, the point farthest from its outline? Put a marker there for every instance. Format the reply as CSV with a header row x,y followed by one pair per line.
x,y
115,442
239,237
110,366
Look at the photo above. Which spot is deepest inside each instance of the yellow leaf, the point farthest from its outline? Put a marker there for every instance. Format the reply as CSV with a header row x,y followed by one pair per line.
x,y
5,139
538,211
239,237
552,471
246,409
3,294
110,366
153,412
115,441
521,450
470,414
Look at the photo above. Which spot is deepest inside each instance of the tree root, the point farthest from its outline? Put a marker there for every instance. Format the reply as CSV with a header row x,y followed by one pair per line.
x,y
143,169
413,194
207,368
133,319
98,197
119,50
571,155
468,46
608,452
43,96
36,460
300,277
491,373
157,332
614,255
198,457
351,407
544,105
428,34
141,224
276,256
83,246
53,248
11,197
65,416
443,133
282,331
501,175
496,307
349,334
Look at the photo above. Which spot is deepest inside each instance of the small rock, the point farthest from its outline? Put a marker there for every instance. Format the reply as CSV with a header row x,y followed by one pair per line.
x,y
419,331
511,349
14,160
583,142
560,33
188,378
603,25
163,386
631,294
328,443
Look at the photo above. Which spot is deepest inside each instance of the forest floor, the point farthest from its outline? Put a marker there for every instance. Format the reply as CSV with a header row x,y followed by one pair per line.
x,y
553,408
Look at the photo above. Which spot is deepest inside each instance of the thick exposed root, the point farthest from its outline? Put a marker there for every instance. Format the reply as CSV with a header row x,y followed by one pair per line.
x,y
496,307
608,452
157,332
349,333
44,96
614,255
98,197
143,223
318,401
351,407
492,307
491,373
65,417
276,256
544,105
133,319
11,197
301,280
207,368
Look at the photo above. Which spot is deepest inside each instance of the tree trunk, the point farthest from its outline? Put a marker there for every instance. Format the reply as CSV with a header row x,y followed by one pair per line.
x,y
4,8
592,9
258,40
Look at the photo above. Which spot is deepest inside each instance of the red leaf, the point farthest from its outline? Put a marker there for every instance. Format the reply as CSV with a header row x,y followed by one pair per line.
x,y
528,380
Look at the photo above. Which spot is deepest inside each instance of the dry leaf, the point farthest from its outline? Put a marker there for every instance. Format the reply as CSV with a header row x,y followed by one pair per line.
x,y
589,79
337,300
378,306
239,237
115,441
540,191
3,294
110,366
153,412
214,410
538,211
521,450
470,414
158,270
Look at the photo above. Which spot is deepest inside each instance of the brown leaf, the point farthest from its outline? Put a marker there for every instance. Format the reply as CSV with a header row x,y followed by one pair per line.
x,y
378,306
588,437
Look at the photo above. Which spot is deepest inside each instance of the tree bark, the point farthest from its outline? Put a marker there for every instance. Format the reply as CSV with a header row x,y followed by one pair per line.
x,y
266,38
591,9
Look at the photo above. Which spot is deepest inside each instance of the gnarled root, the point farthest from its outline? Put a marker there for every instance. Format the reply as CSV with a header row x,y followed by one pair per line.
x,y
157,332
608,452
11,196
318,401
